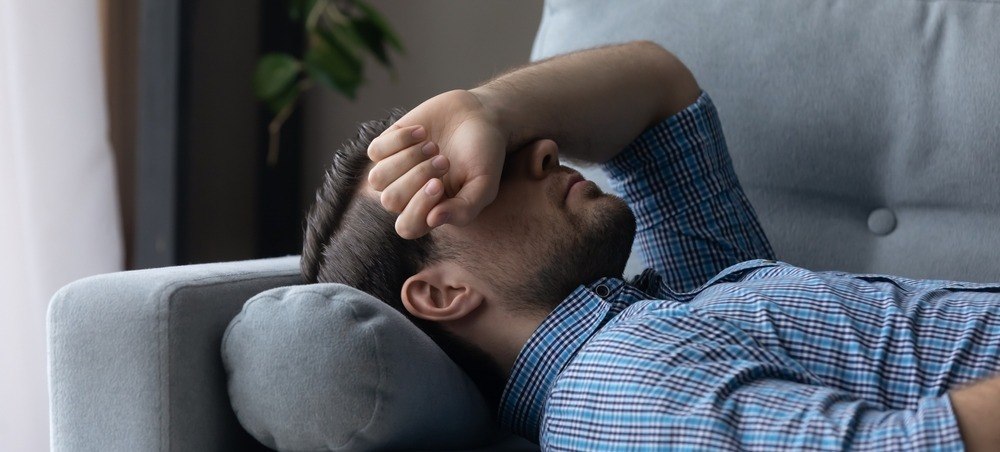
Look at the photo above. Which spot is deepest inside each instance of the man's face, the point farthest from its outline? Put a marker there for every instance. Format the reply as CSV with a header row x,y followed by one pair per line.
x,y
543,235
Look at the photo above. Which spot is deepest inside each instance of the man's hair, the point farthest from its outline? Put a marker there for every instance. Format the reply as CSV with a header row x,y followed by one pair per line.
x,y
350,239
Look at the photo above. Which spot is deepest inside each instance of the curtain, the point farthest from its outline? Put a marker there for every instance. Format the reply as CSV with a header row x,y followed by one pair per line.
x,y
59,217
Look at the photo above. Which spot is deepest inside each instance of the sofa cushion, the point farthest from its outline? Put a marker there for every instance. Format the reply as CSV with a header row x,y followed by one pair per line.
x,y
329,367
865,133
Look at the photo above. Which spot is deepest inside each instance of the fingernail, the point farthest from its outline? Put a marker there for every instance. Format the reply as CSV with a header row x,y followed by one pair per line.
x,y
419,133
432,187
428,148
439,162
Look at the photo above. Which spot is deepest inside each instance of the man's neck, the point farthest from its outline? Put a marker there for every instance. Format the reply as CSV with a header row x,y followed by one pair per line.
x,y
517,335
500,334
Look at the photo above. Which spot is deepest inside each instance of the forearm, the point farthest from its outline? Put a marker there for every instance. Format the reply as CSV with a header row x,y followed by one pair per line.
x,y
593,102
977,408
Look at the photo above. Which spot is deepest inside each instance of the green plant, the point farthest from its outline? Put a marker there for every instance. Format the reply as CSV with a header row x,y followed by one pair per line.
x,y
339,34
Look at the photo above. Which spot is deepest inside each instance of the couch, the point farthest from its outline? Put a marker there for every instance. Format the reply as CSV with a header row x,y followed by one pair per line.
x,y
866,135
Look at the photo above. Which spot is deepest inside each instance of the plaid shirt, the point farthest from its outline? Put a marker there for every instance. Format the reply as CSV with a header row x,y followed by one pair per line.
x,y
718,347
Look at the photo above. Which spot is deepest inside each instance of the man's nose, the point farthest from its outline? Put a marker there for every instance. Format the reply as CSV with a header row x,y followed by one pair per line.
x,y
544,158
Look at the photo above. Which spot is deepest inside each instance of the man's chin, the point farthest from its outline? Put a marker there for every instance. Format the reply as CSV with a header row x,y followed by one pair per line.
x,y
607,241
621,235
601,250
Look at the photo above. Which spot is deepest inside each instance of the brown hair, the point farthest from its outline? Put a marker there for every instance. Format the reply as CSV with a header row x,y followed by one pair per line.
x,y
350,239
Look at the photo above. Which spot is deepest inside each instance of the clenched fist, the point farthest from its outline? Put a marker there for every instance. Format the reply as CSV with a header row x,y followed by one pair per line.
x,y
440,163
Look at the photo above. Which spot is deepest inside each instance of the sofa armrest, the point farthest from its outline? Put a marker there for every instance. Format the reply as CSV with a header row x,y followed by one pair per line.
x,y
134,360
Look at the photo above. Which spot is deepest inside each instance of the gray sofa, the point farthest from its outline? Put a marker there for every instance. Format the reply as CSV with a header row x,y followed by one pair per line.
x,y
866,134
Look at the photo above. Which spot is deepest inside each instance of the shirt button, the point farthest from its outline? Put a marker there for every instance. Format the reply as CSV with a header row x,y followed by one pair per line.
x,y
602,290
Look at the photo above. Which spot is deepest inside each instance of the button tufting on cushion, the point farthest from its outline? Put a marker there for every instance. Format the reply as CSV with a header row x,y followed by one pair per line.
x,y
882,221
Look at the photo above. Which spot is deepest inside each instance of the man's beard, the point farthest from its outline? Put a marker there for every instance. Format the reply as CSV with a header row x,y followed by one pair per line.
x,y
601,249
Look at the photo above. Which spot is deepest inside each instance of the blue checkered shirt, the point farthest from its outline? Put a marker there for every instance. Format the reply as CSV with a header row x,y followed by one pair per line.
x,y
716,346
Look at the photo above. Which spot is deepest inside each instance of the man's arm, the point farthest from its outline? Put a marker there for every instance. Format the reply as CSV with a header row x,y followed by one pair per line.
x,y
692,217
762,414
592,103
977,408
730,403
756,411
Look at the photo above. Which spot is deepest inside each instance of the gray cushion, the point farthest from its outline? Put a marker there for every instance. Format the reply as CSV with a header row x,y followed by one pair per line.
x,y
865,132
329,367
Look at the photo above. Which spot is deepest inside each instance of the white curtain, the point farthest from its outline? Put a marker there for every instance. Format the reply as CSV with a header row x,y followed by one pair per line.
x,y
59,217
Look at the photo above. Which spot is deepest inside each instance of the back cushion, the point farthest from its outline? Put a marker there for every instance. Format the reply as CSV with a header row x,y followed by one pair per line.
x,y
866,133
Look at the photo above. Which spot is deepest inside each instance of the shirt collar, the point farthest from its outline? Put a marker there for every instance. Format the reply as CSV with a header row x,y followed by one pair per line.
x,y
648,281
568,327
549,349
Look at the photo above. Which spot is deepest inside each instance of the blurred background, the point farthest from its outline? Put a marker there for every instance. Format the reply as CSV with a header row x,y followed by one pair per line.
x,y
131,137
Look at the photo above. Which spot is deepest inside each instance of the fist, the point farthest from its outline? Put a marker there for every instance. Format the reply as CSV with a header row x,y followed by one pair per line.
x,y
440,163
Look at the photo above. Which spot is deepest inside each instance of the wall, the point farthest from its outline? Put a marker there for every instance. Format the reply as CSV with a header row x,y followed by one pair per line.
x,y
450,44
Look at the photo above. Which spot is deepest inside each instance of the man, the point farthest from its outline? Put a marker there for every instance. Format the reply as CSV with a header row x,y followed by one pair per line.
x,y
460,216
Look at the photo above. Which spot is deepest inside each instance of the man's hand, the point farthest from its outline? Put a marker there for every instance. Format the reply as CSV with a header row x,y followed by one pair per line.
x,y
458,127
591,103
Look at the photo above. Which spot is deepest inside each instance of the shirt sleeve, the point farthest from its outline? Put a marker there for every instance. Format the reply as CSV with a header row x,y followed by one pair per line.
x,y
692,217
663,376
759,414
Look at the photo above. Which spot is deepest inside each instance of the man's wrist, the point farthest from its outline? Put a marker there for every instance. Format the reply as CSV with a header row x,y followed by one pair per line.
x,y
618,90
497,107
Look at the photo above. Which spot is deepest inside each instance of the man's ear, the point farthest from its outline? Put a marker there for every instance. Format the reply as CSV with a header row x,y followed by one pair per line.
x,y
439,293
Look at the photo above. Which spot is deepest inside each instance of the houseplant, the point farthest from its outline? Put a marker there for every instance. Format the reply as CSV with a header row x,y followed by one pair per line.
x,y
339,35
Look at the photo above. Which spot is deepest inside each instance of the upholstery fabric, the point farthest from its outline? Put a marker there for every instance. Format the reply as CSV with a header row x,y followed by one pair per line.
x,y
329,367
134,358
865,133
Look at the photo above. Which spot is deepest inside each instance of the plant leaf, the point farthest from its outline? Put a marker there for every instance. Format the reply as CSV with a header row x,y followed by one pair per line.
x,y
372,38
345,37
328,62
275,73
379,22
298,10
289,96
